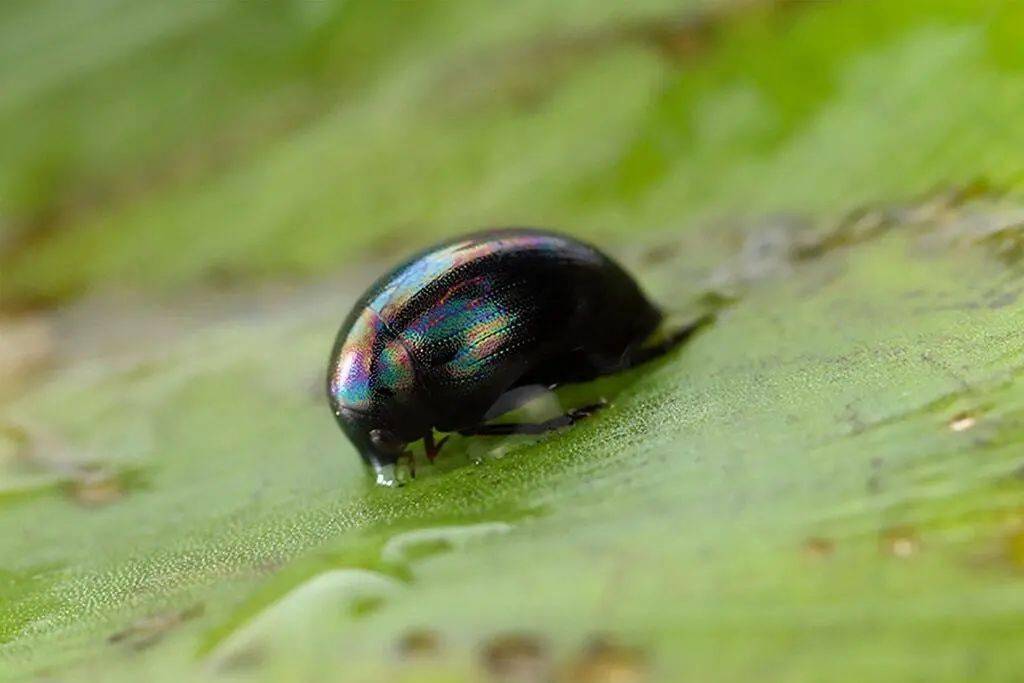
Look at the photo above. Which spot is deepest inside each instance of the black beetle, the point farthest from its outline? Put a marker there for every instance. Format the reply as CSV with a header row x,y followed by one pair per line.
x,y
436,343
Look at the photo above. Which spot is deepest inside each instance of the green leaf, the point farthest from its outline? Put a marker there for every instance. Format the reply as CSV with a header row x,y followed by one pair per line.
x,y
827,473
825,484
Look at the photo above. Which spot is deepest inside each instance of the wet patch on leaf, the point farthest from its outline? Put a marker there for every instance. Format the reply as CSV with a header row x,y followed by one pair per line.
x,y
384,563
356,592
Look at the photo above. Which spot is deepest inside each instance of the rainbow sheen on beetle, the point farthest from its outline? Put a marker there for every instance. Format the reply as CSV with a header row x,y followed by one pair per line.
x,y
434,344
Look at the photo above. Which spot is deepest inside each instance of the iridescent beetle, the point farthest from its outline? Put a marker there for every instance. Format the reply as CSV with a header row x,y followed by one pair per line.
x,y
442,342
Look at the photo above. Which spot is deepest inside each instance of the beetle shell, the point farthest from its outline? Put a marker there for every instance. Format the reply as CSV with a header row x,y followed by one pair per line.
x,y
434,343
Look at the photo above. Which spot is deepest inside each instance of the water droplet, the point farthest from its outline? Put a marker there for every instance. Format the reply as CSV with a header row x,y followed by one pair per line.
x,y
516,657
298,610
961,422
387,476
420,543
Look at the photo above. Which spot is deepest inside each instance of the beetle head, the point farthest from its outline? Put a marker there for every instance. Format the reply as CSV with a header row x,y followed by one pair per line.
x,y
379,445
372,389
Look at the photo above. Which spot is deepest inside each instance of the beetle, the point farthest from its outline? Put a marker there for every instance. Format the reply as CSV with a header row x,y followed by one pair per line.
x,y
444,340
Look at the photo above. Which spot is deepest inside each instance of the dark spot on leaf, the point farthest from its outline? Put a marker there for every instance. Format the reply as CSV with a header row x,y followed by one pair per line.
x,y
859,226
900,542
93,486
147,631
817,547
516,657
95,489
874,484
660,253
63,468
606,661
419,643
242,659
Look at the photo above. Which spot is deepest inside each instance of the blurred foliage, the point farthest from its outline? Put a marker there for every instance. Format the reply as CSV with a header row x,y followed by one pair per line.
x,y
161,147
825,485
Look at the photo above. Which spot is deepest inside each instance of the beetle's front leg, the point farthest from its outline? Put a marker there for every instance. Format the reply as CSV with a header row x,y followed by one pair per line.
x,y
432,448
638,356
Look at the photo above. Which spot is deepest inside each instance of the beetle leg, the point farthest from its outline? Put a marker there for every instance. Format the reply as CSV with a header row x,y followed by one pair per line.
x,y
432,449
508,428
644,354
409,459
516,398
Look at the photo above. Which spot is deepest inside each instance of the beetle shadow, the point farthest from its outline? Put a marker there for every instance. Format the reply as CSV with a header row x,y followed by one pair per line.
x,y
533,406
524,405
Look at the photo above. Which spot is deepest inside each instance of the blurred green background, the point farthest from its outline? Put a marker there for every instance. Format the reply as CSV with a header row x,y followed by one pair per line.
x,y
161,147
823,486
